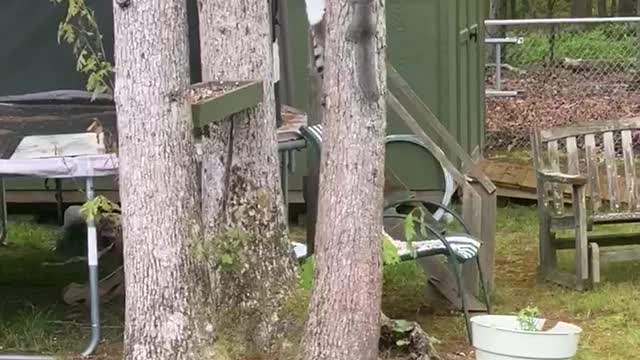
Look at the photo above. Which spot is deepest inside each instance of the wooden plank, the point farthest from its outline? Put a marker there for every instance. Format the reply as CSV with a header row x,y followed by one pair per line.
x,y
554,165
488,235
612,255
593,173
469,166
582,246
442,280
226,99
629,171
594,263
573,157
603,240
612,171
590,128
472,216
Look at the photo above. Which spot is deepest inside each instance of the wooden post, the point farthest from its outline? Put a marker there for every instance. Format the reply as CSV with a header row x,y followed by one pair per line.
x,y
479,213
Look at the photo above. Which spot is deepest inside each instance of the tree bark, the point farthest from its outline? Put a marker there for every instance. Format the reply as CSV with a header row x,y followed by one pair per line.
x,y
242,204
626,7
582,8
602,8
344,318
158,187
526,9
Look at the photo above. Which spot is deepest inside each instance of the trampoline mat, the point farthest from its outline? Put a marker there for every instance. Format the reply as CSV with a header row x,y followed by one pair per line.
x,y
20,120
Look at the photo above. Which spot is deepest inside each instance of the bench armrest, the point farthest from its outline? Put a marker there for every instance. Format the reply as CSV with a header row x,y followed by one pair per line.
x,y
561,178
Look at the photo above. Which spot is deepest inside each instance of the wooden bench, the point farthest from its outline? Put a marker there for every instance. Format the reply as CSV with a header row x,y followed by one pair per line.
x,y
593,169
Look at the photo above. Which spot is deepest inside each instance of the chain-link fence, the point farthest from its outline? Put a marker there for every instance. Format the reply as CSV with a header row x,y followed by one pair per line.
x,y
553,73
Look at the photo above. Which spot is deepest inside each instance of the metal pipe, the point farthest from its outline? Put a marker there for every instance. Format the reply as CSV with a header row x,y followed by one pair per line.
x,y
92,249
509,40
292,145
92,259
499,66
561,21
498,93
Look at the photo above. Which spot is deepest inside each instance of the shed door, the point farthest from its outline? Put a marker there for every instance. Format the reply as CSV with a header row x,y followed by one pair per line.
x,y
470,80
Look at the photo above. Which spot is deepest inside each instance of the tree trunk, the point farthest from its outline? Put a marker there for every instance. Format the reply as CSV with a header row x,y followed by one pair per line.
x,y
526,9
602,8
514,9
158,187
344,318
626,7
495,7
582,8
241,195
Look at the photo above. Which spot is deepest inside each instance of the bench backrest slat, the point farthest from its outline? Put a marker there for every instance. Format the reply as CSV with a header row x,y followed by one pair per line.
x,y
603,152
592,171
629,170
554,164
612,171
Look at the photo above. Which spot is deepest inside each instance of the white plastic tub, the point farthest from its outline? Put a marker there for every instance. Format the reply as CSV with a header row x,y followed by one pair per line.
x,y
498,337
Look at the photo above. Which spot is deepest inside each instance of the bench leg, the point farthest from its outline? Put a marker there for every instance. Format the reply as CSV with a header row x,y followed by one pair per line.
x,y
594,264
582,245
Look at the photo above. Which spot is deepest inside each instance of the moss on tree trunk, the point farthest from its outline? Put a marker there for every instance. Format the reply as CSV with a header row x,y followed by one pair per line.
x,y
241,196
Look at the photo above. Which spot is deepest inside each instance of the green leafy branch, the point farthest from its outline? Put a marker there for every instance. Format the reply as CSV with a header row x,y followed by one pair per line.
x,y
527,318
92,209
80,29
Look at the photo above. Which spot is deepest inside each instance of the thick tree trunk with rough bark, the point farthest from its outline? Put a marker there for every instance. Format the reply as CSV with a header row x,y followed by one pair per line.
x,y
158,186
344,318
243,212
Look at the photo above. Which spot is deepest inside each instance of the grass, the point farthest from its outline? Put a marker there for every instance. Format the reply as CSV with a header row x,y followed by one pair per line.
x,y
33,318
612,42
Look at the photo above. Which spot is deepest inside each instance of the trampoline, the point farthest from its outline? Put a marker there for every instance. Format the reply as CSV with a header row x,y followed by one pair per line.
x,y
46,135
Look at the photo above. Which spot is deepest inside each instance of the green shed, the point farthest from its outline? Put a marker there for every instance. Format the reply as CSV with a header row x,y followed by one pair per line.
x,y
436,45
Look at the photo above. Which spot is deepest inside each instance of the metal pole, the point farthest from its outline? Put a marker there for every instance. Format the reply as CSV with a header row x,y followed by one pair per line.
x,y
92,249
561,21
518,40
498,66
92,257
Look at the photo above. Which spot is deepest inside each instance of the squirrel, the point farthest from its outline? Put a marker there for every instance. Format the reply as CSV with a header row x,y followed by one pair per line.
x,y
361,31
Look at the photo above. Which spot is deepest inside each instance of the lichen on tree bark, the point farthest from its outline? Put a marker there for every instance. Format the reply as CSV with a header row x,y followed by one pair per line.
x,y
241,182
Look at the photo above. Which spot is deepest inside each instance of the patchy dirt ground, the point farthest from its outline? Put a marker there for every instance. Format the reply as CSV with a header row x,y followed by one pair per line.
x,y
557,98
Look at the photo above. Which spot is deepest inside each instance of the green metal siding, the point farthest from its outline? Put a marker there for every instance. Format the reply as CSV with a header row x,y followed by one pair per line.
x,y
443,67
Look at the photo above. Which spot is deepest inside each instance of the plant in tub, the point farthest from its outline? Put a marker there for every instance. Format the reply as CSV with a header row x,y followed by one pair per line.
x,y
523,336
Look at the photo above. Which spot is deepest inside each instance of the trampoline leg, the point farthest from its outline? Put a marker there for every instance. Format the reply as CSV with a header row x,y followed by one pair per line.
x,y
3,213
92,249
